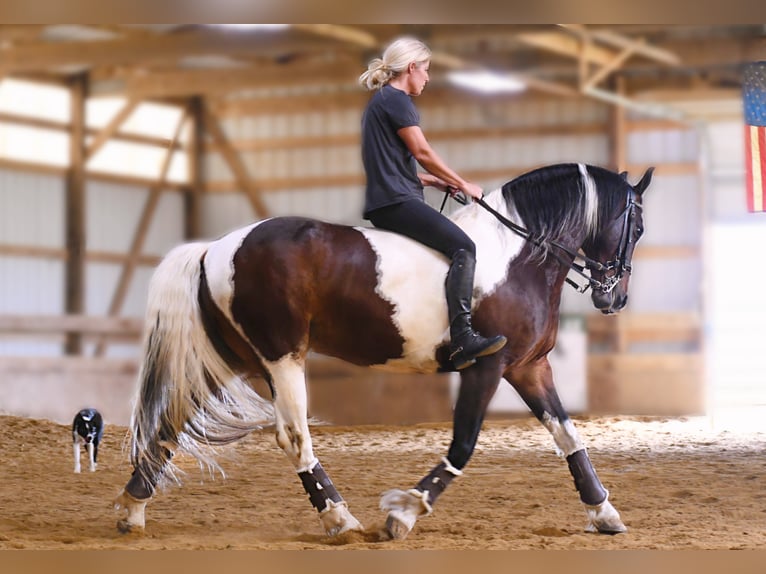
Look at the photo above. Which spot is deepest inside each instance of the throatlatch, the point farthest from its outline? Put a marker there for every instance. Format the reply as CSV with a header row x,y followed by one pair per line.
x,y
319,487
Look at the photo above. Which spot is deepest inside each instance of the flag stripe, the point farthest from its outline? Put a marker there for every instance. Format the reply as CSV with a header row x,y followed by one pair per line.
x,y
761,177
749,166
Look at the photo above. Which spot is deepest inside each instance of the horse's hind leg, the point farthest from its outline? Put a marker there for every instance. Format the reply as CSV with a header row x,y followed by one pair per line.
x,y
137,493
291,406
535,385
477,386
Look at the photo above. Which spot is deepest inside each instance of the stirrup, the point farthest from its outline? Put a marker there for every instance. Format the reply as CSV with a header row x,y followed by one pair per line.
x,y
464,361
493,345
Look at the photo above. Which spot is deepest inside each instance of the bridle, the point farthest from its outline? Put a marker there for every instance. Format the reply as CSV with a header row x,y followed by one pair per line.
x,y
620,265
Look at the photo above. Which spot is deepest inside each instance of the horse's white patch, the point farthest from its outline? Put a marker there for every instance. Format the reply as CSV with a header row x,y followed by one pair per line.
x,y
219,267
411,277
290,405
564,435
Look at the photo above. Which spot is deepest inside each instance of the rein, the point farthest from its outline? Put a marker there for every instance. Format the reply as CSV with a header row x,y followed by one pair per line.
x,y
619,263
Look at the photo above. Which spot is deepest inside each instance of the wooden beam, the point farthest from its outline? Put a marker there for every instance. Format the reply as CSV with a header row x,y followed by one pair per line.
x,y
111,128
130,50
352,179
33,167
196,154
663,169
194,82
333,140
41,252
667,252
133,180
52,324
236,165
74,289
566,45
11,250
607,69
438,96
625,43
64,127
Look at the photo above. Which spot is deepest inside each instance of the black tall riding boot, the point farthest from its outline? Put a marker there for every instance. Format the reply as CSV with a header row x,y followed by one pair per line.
x,y
466,344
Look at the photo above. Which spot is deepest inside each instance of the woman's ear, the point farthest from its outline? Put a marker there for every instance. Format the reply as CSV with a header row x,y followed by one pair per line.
x,y
411,67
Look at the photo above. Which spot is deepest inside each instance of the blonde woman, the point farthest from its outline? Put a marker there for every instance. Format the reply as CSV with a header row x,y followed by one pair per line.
x,y
392,146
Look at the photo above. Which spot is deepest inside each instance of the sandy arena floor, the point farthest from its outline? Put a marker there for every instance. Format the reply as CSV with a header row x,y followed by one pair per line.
x,y
678,484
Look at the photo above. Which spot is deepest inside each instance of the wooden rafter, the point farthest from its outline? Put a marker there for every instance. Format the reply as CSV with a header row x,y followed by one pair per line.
x,y
143,50
111,128
192,82
235,163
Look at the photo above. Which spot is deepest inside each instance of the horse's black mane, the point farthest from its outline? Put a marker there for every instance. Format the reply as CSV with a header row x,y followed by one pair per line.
x,y
551,201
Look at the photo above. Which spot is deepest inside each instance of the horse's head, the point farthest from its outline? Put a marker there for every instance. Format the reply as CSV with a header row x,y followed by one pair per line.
x,y
612,247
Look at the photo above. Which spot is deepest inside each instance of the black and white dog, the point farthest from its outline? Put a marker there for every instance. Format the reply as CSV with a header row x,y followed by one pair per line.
x,y
87,429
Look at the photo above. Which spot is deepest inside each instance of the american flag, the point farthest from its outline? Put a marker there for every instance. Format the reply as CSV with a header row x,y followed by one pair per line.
x,y
754,96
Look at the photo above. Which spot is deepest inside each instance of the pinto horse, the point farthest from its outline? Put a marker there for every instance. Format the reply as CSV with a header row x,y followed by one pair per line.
x,y
254,302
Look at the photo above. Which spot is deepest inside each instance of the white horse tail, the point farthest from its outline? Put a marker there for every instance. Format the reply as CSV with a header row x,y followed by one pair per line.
x,y
189,399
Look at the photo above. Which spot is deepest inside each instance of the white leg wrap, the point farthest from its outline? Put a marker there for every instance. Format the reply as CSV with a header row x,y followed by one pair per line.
x,y
604,518
451,469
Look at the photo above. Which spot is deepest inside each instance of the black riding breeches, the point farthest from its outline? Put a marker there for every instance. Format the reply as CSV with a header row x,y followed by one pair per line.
x,y
421,222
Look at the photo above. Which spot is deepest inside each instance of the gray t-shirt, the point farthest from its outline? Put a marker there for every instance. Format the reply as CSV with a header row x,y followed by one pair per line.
x,y
390,167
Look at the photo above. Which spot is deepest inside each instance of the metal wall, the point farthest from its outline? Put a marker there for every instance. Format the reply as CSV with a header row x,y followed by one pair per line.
x,y
32,211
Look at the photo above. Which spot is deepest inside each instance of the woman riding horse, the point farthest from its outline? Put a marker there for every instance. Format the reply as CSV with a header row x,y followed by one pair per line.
x,y
391,143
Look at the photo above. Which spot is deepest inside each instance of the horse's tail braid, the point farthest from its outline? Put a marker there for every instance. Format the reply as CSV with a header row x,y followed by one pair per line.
x,y
188,398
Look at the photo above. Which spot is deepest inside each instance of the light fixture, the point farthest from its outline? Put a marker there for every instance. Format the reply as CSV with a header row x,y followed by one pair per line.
x,y
486,81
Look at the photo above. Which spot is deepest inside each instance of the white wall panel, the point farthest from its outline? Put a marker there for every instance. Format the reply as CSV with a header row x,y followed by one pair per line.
x,y
31,209
672,210
31,214
663,146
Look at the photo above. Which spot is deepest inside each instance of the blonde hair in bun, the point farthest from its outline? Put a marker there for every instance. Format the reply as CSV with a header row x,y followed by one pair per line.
x,y
396,57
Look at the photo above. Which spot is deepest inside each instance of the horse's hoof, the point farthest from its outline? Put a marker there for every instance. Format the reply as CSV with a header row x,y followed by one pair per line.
x,y
611,528
126,527
397,529
604,519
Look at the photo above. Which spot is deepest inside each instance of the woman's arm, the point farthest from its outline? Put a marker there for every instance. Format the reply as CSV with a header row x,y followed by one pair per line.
x,y
425,155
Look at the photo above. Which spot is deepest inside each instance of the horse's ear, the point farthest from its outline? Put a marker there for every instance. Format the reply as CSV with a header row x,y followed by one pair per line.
x,y
624,175
641,186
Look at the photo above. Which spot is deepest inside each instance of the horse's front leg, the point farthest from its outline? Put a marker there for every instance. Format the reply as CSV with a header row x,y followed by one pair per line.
x,y
292,433
477,387
535,385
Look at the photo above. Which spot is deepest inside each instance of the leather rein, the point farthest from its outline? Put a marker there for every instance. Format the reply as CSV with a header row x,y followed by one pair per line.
x,y
620,264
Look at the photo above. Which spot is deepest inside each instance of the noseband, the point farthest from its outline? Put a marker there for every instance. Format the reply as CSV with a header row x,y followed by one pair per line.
x,y
621,264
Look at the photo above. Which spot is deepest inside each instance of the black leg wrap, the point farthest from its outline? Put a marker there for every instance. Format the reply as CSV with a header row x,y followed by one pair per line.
x,y
319,487
138,486
585,479
435,482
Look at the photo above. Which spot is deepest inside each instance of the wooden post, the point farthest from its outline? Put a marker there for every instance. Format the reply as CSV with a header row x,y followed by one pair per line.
x,y
74,296
196,155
